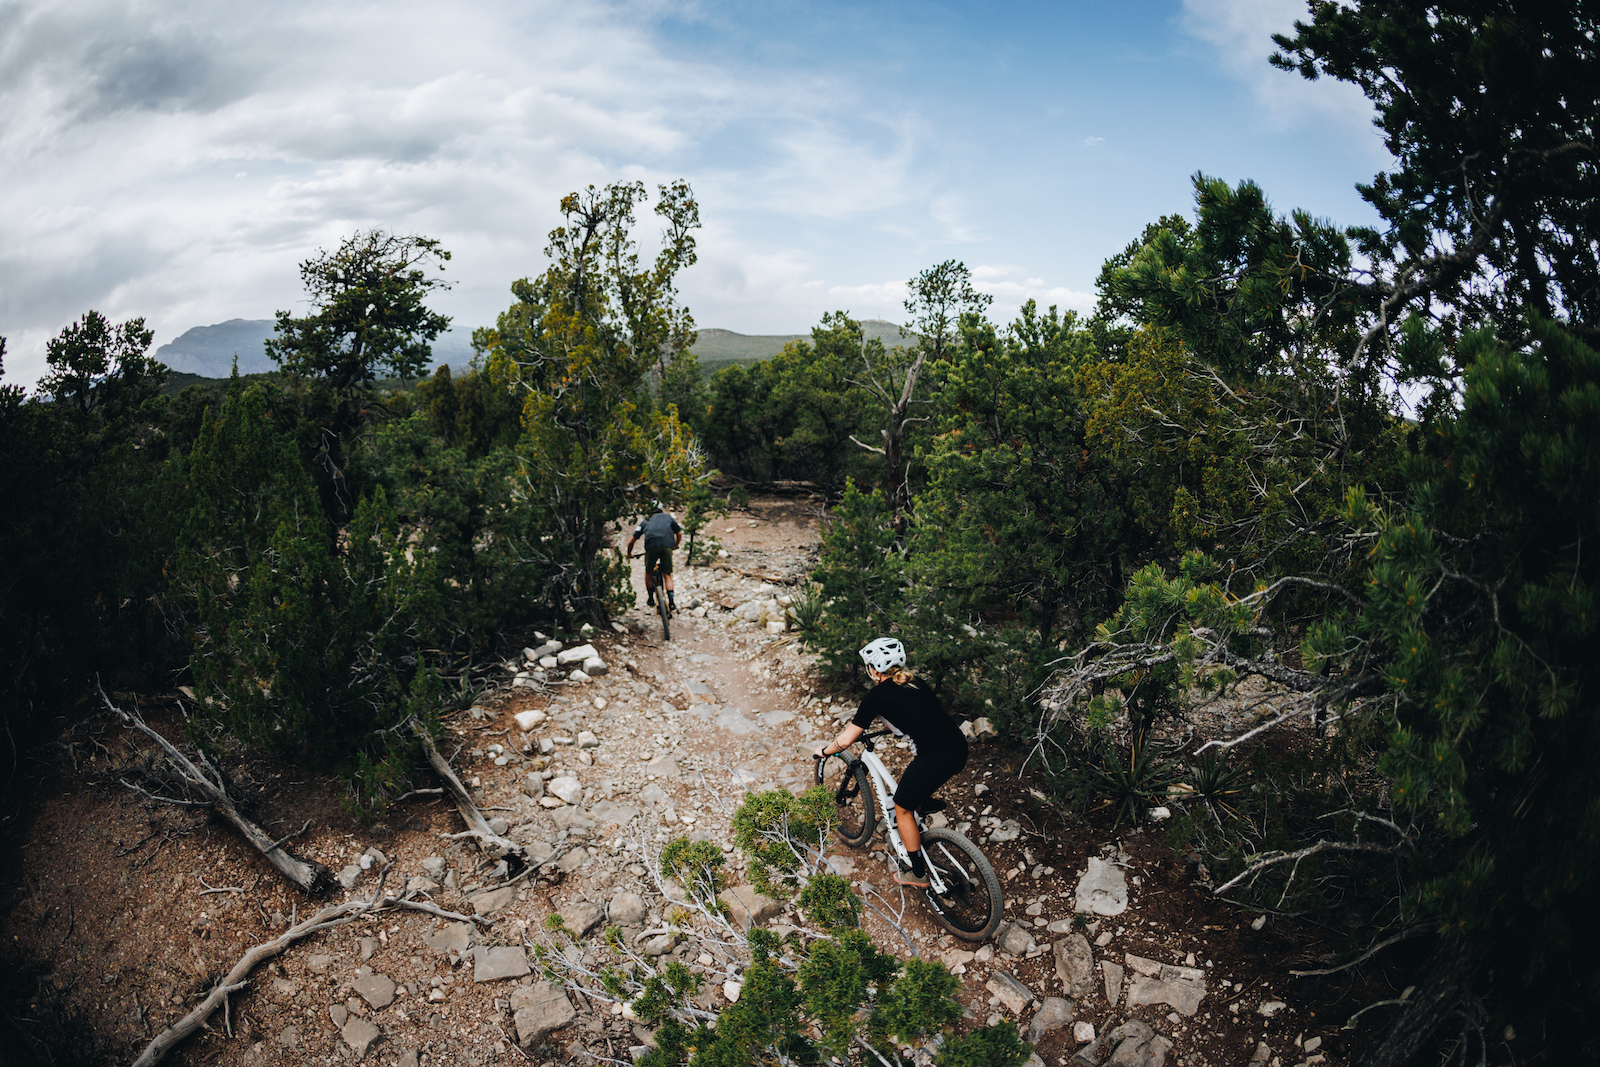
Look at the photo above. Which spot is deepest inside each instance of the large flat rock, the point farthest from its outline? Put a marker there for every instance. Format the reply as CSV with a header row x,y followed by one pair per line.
x,y
495,964
376,989
456,938
747,907
539,1010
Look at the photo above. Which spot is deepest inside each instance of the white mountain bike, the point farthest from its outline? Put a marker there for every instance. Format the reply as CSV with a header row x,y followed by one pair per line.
x,y
963,890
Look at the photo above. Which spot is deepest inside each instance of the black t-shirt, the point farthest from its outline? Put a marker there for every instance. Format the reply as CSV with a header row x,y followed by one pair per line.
x,y
914,711
659,530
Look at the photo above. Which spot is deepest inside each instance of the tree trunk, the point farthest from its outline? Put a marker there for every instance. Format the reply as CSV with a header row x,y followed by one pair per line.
x,y
1445,985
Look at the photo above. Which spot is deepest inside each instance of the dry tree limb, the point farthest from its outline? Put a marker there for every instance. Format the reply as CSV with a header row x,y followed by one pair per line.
x,y
775,579
1413,931
477,825
309,875
238,978
1272,859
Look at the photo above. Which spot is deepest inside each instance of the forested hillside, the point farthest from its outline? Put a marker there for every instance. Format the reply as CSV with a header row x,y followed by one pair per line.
x,y
1361,464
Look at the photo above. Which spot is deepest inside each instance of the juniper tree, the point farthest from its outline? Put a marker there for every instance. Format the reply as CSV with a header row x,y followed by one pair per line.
x,y
577,347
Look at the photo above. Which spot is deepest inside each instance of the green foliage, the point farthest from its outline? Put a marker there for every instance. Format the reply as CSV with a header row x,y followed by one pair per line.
x,y
1503,192
578,345
300,635
737,428
807,609
701,506
697,865
921,1001
1216,784
1487,645
1244,289
1136,779
86,533
836,978
466,519
858,578
95,365
1015,542
470,413
780,832
828,902
991,1046
793,416
369,313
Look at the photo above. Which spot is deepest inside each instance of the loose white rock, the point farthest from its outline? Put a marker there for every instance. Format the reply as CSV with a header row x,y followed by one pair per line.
x,y
527,720
1102,890
576,655
569,789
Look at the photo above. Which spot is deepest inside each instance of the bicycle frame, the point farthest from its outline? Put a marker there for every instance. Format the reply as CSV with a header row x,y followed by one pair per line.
x,y
884,784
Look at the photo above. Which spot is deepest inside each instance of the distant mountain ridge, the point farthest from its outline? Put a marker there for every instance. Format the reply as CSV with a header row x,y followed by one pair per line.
x,y
718,348
209,351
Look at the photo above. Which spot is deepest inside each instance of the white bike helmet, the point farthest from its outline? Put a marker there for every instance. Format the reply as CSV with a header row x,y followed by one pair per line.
x,y
884,654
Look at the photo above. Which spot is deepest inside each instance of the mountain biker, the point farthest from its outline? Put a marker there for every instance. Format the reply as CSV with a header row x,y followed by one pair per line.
x,y
939,750
661,534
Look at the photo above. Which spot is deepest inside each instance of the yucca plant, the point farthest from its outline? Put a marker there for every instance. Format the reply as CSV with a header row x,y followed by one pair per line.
x,y
806,609
1137,778
1214,783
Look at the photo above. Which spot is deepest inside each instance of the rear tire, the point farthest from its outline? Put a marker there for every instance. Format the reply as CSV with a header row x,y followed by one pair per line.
x,y
666,613
972,906
854,807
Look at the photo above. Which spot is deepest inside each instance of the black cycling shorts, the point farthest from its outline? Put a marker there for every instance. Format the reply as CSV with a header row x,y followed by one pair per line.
x,y
926,774
653,554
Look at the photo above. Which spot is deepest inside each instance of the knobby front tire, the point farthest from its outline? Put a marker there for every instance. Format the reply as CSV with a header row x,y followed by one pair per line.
x,y
854,807
972,905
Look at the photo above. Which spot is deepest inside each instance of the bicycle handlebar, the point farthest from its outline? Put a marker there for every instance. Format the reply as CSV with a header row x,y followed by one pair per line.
x,y
864,739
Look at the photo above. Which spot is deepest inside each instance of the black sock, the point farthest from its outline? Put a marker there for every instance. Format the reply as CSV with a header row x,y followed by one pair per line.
x,y
672,598
919,864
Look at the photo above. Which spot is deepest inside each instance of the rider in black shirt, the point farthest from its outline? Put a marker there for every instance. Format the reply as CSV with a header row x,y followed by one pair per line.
x,y
939,750
661,534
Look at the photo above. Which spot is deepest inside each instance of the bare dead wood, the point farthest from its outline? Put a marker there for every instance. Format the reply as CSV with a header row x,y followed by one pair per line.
x,y
238,977
477,825
1413,931
774,578
311,876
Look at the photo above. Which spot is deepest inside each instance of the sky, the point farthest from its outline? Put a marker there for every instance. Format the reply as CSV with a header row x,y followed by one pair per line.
x,y
177,159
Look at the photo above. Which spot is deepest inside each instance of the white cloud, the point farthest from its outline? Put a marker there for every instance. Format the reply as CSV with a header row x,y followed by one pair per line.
x,y
1011,287
178,161
1241,32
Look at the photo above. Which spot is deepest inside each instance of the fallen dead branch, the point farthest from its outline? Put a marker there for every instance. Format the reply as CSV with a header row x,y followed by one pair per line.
x,y
1414,931
477,825
309,875
775,579
238,978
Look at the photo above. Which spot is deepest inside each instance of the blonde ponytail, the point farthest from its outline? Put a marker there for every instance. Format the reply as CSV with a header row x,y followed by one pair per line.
x,y
901,675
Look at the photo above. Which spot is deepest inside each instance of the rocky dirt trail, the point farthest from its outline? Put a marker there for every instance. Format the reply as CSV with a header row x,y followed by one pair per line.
x,y
1110,955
